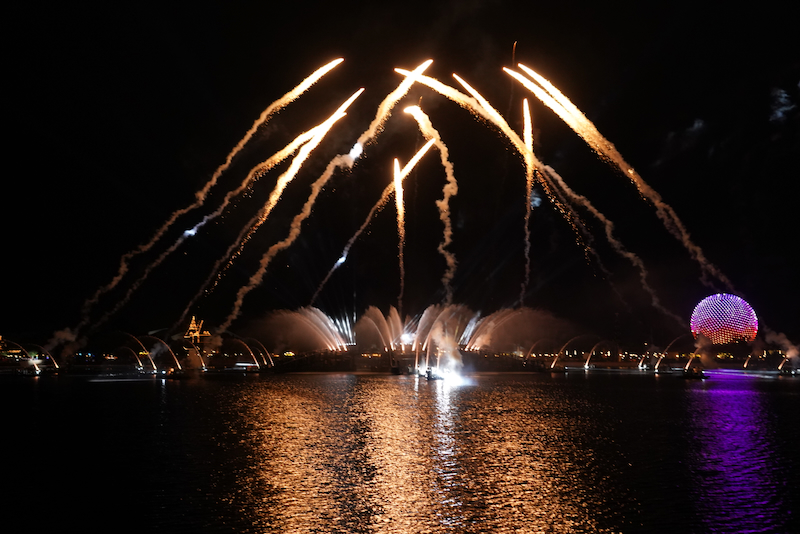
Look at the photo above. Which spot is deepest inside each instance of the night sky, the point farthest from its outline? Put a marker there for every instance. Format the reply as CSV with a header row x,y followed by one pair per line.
x,y
119,113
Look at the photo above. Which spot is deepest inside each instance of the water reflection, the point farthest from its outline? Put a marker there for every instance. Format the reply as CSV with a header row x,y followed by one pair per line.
x,y
738,482
347,453
505,453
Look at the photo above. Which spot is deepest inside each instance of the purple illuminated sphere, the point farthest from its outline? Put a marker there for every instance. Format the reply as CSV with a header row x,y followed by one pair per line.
x,y
724,318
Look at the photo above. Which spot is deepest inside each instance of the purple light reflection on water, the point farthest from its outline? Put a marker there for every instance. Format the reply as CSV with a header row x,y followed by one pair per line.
x,y
738,482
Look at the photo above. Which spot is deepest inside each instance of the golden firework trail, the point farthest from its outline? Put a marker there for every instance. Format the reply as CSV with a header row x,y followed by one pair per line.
x,y
265,116
294,167
369,135
564,199
401,231
203,192
229,255
308,140
529,171
615,243
375,209
481,108
450,189
255,172
576,120
398,193
319,132
385,107
347,161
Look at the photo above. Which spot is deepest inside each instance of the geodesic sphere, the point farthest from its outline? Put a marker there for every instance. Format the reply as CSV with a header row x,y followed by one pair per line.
x,y
724,318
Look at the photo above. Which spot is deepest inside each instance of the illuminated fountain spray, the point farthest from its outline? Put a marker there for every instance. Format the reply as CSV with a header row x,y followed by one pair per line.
x,y
483,331
791,351
265,354
47,358
375,318
159,347
312,328
439,333
389,329
591,352
325,326
443,355
562,351
27,360
141,352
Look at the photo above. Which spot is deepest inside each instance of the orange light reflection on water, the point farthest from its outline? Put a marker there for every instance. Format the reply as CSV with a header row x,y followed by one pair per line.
x,y
357,453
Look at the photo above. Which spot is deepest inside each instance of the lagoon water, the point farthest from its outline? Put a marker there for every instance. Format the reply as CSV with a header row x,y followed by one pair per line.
x,y
577,452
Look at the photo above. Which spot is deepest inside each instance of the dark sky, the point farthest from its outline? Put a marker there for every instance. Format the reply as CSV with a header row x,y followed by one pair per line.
x,y
118,113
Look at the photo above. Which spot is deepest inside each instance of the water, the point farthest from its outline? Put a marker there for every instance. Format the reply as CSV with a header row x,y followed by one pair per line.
x,y
596,452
